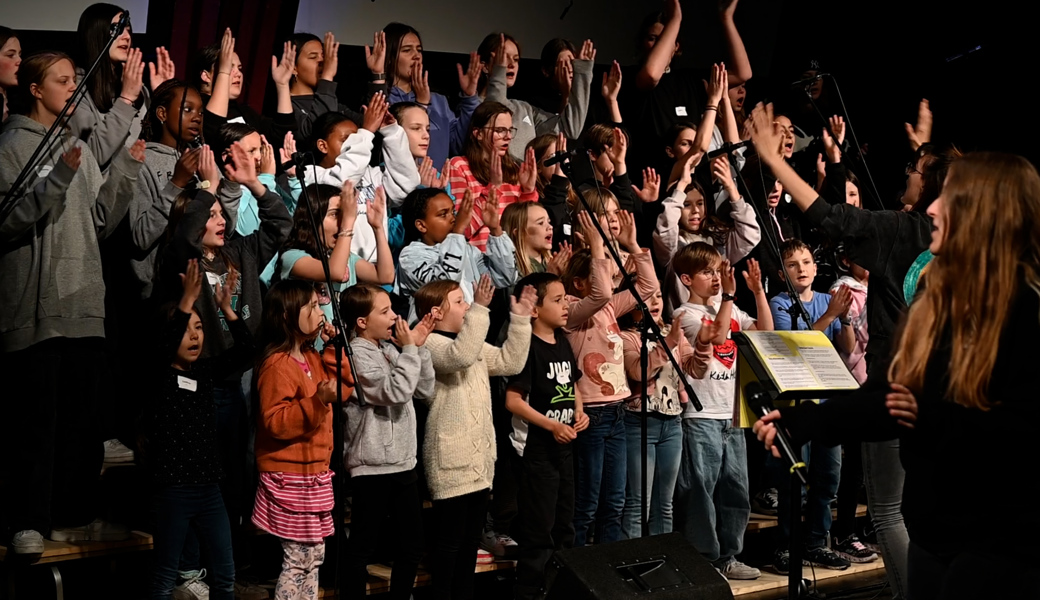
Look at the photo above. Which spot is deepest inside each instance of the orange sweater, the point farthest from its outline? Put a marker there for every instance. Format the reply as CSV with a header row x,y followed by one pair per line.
x,y
294,429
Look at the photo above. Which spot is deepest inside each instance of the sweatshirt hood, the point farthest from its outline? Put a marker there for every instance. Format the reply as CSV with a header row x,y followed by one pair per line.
x,y
24,123
161,148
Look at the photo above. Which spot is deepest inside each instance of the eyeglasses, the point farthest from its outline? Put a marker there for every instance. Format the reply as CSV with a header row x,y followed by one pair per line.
x,y
503,131
711,272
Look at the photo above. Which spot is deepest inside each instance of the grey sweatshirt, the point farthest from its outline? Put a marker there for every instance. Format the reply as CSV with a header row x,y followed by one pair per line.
x,y
531,121
111,131
154,196
380,436
49,256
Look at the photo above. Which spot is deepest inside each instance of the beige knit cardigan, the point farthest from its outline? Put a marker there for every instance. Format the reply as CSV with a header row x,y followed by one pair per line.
x,y
459,452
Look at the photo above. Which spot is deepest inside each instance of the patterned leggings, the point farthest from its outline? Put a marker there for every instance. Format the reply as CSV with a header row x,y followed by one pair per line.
x,y
299,577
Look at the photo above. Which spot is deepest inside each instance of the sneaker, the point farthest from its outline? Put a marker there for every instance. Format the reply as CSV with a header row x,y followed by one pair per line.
x,y
98,531
117,453
736,570
765,502
823,556
853,550
484,557
781,562
27,542
250,591
193,588
498,544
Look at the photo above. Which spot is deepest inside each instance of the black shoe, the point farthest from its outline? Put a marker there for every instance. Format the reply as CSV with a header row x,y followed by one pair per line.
x,y
781,562
853,550
823,556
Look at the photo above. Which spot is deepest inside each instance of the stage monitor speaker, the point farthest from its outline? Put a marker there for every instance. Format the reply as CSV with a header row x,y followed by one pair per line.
x,y
660,567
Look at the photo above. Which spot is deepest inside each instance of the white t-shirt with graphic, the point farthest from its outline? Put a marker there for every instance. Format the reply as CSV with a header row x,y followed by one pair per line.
x,y
717,391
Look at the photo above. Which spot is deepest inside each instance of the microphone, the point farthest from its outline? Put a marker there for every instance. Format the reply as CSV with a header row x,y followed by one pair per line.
x,y
761,404
728,147
560,157
299,159
810,80
123,22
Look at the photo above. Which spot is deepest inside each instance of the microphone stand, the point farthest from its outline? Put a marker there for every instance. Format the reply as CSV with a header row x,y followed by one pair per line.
x,y
648,328
342,347
795,585
46,145
852,134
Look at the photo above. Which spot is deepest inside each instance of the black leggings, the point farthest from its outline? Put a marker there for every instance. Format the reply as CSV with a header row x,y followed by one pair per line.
x,y
460,522
971,575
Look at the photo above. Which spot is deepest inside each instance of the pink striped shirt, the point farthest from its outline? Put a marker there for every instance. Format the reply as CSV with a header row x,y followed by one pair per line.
x,y
295,506
461,179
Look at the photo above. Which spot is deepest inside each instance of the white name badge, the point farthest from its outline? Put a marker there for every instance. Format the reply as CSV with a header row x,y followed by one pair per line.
x,y
680,111
566,229
187,384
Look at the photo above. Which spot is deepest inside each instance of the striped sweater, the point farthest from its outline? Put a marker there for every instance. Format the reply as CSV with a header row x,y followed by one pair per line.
x,y
461,178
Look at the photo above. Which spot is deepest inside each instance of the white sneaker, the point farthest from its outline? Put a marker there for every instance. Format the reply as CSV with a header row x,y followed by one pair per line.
x,y
498,544
27,542
98,531
117,453
737,570
193,588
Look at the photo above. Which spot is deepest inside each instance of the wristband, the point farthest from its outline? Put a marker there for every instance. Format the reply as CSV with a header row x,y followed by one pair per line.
x,y
378,76
127,99
711,107
845,322
204,184
347,233
728,297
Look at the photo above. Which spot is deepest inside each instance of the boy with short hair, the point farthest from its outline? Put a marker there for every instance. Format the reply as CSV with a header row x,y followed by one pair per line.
x,y
711,495
829,314
547,417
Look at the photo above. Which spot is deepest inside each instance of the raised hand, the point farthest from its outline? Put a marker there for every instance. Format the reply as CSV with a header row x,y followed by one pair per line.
x,y
376,209
72,157
753,277
241,168
627,235
525,305
330,64
561,146
137,151
374,112
267,164
421,83
902,405
464,213
832,149
164,71
821,171
837,123
186,167
498,55
223,294
560,259
588,51
496,169
207,166
590,236
285,153
469,78
564,75
619,149
765,134
727,8
709,331
922,133
720,169
423,328
191,283
729,280
427,173
484,291
490,212
651,186
375,57
611,82
528,172
227,52
282,70
716,87
682,170
133,76
348,207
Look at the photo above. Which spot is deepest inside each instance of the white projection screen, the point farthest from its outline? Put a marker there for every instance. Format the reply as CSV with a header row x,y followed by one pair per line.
x,y
459,25
63,15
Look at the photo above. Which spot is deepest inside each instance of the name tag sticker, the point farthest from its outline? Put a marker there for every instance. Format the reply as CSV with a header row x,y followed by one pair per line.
x,y
680,111
566,229
187,384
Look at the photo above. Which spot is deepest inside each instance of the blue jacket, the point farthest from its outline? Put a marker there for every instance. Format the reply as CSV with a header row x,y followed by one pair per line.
x,y
447,131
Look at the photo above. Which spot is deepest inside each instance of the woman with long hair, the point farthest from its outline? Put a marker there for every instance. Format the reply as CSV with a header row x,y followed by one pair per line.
x,y
10,60
955,394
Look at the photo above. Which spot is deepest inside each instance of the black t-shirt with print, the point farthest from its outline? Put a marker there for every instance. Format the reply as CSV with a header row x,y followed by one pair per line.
x,y
547,382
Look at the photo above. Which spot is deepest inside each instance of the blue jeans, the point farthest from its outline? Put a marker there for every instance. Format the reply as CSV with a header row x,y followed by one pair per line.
x,y
199,508
824,473
711,494
663,454
601,461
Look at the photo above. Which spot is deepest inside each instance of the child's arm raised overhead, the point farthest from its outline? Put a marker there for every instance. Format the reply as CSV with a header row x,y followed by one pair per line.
x,y
746,233
191,283
599,278
573,118
497,89
725,314
356,152
275,222
453,355
310,268
753,276
382,272
512,356
402,173
646,278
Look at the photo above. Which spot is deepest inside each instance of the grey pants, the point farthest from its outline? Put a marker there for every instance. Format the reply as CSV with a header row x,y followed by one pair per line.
x,y
883,475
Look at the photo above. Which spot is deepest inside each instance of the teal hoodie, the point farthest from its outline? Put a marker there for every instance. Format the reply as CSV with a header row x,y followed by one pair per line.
x,y
50,263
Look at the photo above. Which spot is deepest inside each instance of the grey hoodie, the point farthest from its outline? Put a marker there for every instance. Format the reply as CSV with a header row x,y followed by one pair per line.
x,y
111,131
49,257
154,196
380,436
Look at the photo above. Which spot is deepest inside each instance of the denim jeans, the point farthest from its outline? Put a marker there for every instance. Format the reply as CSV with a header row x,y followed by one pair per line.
x,y
601,463
824,471
198,508
663,454
883,476
711,494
